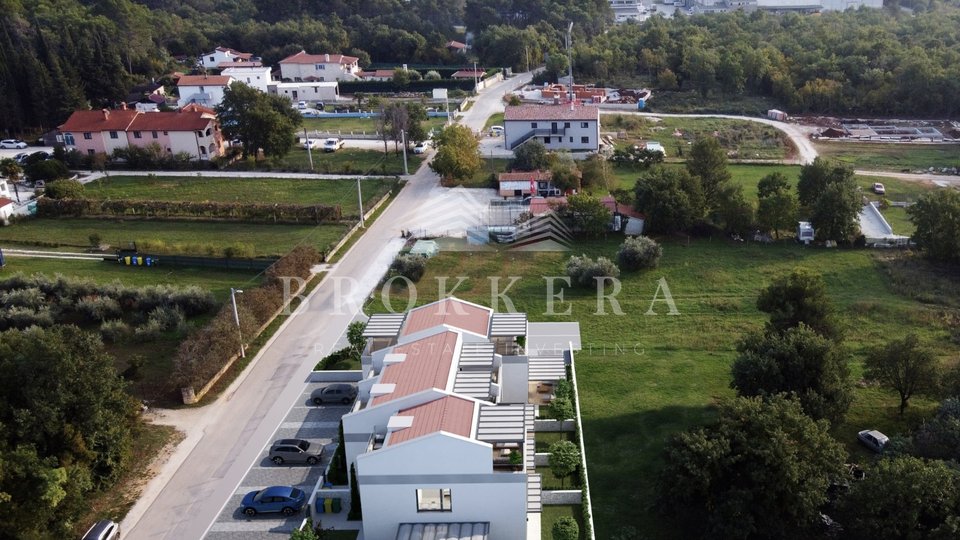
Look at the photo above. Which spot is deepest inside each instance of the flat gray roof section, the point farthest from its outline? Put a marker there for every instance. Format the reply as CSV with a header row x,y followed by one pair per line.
x,y
384,325
443,531
508,324
477,355
501,423
475,384
552,338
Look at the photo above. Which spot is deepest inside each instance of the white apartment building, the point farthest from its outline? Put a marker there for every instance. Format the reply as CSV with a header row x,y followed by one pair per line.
x,y
319,67
255,76
558,127
306,91
220,55
204,90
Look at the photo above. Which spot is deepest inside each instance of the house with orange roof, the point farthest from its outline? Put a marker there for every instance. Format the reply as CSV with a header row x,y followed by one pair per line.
x,y
206,90
572,127
193,130
304,67
221,55
441,436
523,183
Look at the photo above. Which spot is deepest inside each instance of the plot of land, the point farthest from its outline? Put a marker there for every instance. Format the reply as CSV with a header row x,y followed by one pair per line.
x,y
243,190
346,161
742,139
892,156
358,125
646,377
184,237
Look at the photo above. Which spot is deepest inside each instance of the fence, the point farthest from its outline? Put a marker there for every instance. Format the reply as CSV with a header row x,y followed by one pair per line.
x,y
198,262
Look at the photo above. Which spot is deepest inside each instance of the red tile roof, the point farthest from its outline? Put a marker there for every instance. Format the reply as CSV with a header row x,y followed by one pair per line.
x,y
377,73
427,365
468,74
450,414
542,205
303,58
235,52
105,120
204,80
456,45
250,64
450,311
5,201
170,121
616,207
551,112
196,107
517,176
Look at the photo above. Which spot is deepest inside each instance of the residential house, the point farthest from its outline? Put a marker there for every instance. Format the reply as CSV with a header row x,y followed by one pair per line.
x,y
523,183
624,212
306,91
469,74
212,60
319,67
377,75
254,76
442,432
206,90
193,130
457,47
149,93
559,127
7,207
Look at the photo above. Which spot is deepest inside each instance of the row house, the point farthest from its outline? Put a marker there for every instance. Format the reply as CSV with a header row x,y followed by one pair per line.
x,y
303,67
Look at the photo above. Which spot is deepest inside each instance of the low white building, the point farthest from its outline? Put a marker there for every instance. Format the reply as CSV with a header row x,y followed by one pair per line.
x,y
204,90
319,67
7,206
220,55
306,91
558,127
255,76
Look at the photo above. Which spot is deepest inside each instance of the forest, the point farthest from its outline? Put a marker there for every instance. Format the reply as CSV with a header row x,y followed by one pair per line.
x,y
60,55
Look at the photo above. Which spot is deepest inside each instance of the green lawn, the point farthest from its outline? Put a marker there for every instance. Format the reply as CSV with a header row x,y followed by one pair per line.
x,y
891,156
345,161
495,119
185,237
243,190
741,138
347,126
552,482
898,219
552,513
694,102
483,179
545,438
645,377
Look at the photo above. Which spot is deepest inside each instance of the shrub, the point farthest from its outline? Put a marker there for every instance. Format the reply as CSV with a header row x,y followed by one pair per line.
x,y
114,331
30,297
167,318
565,528
639,252
583,270
193,300
409,266
47,171
98,308
561,408
148,331
64,189
24,317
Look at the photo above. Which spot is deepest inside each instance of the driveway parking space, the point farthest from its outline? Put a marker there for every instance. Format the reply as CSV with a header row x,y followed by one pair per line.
x,y
317,424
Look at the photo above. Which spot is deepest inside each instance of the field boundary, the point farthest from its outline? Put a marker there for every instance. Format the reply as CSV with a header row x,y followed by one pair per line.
x,y
346,237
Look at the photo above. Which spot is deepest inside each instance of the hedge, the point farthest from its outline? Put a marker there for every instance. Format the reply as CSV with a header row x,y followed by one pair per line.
x,y
272,213
372,87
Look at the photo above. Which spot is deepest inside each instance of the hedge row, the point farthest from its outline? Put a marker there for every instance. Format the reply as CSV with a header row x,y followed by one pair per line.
x,y
273,213
206,351
352,87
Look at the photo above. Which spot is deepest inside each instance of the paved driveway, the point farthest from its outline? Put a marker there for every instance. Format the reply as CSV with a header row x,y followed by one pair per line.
x,y
304,421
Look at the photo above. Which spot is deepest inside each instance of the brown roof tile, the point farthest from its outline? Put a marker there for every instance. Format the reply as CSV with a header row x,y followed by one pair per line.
x,y
204,80
105,120
449,311
427,365
303,58
551,112
450,414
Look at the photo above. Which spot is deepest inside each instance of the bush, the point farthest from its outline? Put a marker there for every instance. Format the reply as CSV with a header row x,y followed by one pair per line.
x,y
233,211
24,317
639,252
98,308
64,189
30,297
561,408
167,318
148,331
114,331
565,528
583,270
409,266
47,170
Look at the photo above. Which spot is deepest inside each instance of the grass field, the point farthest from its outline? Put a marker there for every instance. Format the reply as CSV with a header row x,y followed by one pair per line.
x,y
694,102
357,125
898,219
495,119
645,377
740,138
192,237
242,190
552,513
491,166
345,161
892,156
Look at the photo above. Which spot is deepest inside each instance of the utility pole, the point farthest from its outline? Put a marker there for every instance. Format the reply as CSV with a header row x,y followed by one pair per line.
x,y
309,148
403,138
570,59
360,203
236,318
526,51
476,83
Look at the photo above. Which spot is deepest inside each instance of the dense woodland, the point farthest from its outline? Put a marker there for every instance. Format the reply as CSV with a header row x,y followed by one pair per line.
x,y
58,55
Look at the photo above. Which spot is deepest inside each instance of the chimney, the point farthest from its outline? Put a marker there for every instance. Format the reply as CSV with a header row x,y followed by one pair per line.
x,y
106,114
326,58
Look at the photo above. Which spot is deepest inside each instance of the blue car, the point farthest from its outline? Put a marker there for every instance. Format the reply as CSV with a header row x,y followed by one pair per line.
x,y
283,499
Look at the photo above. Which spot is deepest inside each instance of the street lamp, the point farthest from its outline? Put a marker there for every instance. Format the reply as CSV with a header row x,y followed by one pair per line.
x,y
236,318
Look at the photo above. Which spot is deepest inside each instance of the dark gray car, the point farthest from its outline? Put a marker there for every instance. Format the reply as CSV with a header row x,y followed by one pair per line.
x,y
335,393
295,451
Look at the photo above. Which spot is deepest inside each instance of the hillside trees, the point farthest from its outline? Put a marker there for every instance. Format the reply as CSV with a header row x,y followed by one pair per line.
x,y
937,218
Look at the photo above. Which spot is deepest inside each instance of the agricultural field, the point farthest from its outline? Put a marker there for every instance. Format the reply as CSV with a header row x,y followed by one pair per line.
x,y
643,377
891,156
741,139
305,191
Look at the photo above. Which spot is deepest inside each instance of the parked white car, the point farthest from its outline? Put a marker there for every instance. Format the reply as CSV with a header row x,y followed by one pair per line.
x,y
13,143
332,144
873,439
496,131
422,147
878,188
312,144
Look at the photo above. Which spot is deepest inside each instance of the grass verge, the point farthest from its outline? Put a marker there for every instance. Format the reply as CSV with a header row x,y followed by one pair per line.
x,y
551,514
891,156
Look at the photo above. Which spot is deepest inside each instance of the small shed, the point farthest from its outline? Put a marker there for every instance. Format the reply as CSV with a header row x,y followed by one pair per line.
x,y
6,210
805,232
427,248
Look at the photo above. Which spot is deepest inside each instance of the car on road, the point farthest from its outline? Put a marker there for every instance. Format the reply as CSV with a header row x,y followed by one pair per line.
x,y
496,131
873,439
312,144
332,144
285,500
103,530
421,147
295,451
878,188
13,143
334,393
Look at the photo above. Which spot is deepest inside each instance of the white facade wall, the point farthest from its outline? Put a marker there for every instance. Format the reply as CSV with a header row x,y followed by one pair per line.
x,y
572,138
212,60
321,70
306,91
389,480
109,142
257,77
189,94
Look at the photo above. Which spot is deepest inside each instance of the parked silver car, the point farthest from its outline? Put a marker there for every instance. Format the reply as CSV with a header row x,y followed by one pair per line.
x,y
295,451
335,393
873,439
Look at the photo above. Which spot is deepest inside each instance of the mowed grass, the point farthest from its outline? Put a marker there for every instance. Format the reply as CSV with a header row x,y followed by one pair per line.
x,y
305,191
266,240
367,125
644,377
486,176
742,139
891,156
552,513
345,161
495,119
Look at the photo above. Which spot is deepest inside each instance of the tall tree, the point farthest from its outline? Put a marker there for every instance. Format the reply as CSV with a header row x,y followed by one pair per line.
x,y
777,205
760,471
799,297
708,161
836,211
937,219
530,156
906,366
564,459
260,121
586,214
671,199
458,153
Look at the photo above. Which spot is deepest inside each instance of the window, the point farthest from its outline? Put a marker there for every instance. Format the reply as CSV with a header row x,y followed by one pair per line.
x,y
201,91
68,139
584,124
209,131
566,125
203,150
533,125
137,135
321,66
154,133
87,135
571,139
585,140
91,152
434,500
546,140
113,135
165,133
213,59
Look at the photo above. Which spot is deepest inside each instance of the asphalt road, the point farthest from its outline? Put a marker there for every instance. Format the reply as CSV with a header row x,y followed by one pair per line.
x,y
225,438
